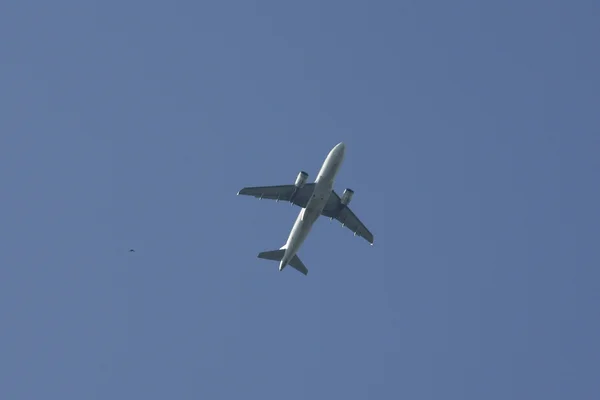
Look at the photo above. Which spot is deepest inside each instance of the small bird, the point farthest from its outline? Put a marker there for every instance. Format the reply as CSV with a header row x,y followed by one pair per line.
x,y
131,250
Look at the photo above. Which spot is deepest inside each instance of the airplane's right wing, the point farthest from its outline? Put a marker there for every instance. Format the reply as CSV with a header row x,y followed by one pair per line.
x,y
291,193
335,209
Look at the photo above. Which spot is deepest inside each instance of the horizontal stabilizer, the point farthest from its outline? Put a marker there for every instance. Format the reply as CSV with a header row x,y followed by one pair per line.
x,y
298,265
275,255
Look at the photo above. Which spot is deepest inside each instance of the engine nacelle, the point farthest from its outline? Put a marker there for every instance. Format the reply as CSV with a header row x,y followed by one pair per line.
x,y
301,179
347,196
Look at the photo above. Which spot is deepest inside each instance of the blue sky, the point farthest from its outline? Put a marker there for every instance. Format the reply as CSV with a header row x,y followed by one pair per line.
x,y
472,133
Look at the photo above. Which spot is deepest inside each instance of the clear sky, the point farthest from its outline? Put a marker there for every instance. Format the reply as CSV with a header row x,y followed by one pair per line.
x,y
473,134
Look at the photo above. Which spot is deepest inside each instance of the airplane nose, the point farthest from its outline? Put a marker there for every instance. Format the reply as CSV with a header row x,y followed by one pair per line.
x,y
338,150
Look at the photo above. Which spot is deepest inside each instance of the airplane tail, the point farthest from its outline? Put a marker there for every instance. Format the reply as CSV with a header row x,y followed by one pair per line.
x,y
277,255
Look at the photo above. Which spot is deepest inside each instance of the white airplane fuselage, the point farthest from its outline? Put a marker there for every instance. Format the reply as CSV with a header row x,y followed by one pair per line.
x,y
312,211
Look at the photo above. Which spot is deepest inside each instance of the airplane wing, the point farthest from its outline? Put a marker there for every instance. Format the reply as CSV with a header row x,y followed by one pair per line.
x,y
291,193
335,209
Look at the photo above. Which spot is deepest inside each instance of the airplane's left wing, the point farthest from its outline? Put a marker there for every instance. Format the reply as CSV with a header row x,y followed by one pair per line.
x,y
291,193
335,209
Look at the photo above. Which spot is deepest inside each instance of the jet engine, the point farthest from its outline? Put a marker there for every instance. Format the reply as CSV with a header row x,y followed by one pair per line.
x,y
301,179
347,196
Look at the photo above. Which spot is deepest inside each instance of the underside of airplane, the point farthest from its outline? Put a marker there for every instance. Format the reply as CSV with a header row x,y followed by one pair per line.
x,y
315,199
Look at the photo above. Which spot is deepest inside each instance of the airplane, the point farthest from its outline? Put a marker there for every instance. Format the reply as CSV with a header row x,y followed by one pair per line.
x,y
315,199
